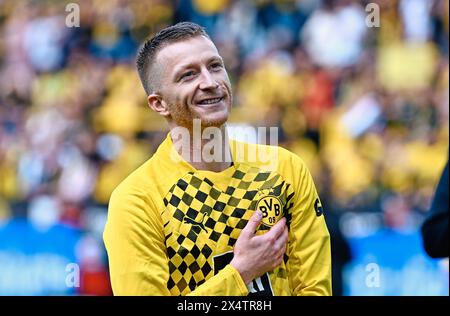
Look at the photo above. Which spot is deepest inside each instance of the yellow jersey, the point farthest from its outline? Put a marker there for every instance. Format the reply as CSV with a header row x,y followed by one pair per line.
x,y
171,228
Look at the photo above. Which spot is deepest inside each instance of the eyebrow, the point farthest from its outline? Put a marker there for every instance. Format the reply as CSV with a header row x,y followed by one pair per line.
x,y
184,67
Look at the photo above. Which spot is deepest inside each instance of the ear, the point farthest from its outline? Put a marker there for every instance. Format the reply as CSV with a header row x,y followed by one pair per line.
x,y
157,104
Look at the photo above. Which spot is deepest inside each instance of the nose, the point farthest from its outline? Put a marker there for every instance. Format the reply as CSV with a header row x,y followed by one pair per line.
x,y
207,81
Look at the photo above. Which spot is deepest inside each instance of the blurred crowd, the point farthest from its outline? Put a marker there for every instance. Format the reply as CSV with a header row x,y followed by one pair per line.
x,y
362,98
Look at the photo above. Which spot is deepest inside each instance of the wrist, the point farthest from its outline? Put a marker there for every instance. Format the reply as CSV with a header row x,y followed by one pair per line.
x,y
244,273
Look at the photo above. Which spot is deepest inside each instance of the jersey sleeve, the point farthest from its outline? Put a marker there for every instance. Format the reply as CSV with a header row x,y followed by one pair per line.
x,y
138,262
134,242
309,264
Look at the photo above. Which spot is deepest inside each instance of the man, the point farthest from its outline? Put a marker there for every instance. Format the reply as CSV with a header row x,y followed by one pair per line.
x,y
185,224
435,228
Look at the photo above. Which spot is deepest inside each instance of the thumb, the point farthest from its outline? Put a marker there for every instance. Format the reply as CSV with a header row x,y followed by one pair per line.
x,y
253,223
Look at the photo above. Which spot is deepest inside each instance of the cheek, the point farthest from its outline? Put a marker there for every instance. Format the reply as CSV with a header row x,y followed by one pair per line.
x,y
227,84
230,92
184,97
180,105
178,101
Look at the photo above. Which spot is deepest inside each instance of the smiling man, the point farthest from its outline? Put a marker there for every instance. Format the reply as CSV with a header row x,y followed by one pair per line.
x,y
226,226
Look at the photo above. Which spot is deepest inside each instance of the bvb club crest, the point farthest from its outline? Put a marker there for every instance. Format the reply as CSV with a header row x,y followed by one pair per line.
x,y
271,208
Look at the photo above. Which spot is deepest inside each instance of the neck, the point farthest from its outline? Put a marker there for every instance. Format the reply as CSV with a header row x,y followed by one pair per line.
x,y
204,149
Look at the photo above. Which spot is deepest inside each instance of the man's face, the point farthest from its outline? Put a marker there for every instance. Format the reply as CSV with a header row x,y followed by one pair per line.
x,y
194,83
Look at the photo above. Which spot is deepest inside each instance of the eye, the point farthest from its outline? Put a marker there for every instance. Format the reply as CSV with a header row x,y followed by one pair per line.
x,y
187,75
216,66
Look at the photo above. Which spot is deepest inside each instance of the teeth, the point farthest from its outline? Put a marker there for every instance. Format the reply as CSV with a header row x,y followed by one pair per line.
x,y
211,101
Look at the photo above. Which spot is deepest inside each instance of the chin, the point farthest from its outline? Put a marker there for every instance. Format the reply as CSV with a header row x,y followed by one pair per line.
x,y
214,118
214,122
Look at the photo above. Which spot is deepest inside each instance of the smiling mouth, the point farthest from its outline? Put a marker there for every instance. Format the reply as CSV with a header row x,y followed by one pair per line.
x,y
210,101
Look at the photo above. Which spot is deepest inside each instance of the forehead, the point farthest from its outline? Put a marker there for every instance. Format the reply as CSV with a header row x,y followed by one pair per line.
x,y
185,52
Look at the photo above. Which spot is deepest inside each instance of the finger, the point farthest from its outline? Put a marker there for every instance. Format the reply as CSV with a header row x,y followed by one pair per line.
x,y
285,234
280,258
278,261
276,231
252,225
281,242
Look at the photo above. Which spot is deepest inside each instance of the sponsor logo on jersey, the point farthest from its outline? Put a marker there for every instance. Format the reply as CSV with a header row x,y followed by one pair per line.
x,y
189,220
318,207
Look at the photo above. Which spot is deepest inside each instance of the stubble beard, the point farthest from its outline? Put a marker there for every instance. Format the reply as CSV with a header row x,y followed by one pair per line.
x,y
185,118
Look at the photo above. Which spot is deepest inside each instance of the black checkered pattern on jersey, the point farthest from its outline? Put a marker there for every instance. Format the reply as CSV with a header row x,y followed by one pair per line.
x,y
211,211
